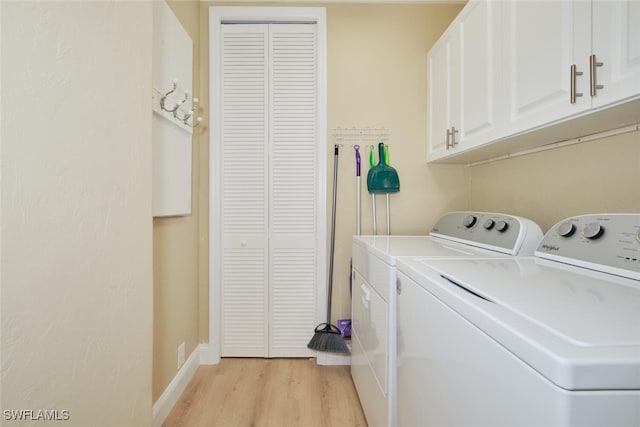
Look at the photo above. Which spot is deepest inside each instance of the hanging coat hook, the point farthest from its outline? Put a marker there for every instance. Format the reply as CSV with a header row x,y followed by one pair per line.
x,y
198,121
188,115
164,97
179,104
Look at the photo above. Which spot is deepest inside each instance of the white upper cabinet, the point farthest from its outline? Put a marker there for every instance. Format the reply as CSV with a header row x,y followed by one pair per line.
x,y
511,75
616,45
481,97
546,51
443,83
463,81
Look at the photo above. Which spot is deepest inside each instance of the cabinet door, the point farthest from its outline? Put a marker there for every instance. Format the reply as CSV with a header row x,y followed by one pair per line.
x,y
542,41
465,92
480,87
442,86
616,43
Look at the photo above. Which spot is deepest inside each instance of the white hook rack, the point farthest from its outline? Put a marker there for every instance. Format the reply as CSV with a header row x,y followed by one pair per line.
x,y
178,111
363,136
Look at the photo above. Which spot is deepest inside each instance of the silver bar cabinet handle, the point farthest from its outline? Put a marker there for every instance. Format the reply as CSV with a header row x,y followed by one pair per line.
x,y
573,94
593,65
451,137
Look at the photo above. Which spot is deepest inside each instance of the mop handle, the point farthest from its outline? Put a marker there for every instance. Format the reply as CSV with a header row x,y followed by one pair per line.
x,y
372,162
358,161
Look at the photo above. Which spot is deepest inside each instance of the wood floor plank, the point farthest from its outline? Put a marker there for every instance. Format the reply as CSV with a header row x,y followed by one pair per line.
x,y
268,393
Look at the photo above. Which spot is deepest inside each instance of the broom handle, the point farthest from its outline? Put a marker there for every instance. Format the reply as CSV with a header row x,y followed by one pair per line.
x,y
333,230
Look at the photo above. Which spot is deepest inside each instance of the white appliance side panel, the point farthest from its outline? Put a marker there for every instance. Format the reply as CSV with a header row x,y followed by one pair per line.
x,y
370,388
379,275
452,374
370,324
372,399
359,257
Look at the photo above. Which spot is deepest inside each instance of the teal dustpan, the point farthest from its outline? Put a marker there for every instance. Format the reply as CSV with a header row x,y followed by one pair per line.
x,y
382,179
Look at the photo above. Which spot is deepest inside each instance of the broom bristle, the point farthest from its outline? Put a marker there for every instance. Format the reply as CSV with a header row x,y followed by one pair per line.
x,y
327,340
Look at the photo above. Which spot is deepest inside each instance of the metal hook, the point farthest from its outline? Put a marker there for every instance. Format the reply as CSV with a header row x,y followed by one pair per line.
x,y
198,121
179,104
164,97
188,115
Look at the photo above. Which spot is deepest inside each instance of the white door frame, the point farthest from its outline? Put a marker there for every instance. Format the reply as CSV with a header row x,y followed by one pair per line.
x,y
218,15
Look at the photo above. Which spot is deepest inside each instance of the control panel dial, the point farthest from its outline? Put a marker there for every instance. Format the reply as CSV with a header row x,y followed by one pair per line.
x,y
502,226
469,221
566,229
593,231
488,224
603,242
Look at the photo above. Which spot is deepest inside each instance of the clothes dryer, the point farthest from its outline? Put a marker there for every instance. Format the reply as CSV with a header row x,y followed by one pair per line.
x,y
457,235
551,340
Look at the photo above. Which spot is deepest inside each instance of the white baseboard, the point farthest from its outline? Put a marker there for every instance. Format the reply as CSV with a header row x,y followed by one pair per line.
x,y
172,393
328,359
208,356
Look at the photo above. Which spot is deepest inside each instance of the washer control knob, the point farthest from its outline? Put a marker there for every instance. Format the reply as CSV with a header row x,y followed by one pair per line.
x,y
469,221
638,236
488,224
502,226
566,229
593,231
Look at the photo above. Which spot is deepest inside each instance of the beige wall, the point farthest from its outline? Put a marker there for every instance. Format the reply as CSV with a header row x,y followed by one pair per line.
x,y
592,177
76,211
376,70
176,249
377,77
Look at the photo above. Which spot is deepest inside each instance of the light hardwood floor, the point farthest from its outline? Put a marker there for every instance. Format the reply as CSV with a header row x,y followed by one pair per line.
x,y
268,393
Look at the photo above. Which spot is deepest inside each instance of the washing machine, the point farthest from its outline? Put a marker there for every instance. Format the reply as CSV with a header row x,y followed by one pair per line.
x,y
455,235
548,340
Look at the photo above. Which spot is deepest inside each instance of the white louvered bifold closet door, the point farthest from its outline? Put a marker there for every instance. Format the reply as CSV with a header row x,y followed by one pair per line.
x,y
269,189
293,188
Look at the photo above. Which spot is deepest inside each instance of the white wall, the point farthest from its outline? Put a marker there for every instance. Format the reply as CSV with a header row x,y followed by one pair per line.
x,y
76,210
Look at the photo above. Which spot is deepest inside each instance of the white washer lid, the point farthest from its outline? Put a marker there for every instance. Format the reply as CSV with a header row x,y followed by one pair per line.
x,y
389,247
581,329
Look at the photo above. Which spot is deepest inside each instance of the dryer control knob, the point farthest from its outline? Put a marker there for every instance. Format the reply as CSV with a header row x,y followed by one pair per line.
x,y
488,224
566,229
638,236
469,221
593,231
502,226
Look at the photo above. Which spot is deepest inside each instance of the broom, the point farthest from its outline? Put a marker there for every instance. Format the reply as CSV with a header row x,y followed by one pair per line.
x,y
327,337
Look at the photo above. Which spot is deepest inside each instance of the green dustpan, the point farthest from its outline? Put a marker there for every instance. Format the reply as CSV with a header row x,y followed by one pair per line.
x,y
382,178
